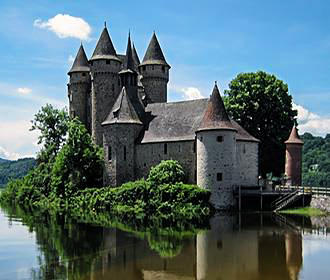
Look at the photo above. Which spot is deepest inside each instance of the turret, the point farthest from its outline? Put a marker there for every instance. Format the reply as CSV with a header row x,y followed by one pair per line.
x,y
121,128
79,87
216,153
155,72
105,66
293,157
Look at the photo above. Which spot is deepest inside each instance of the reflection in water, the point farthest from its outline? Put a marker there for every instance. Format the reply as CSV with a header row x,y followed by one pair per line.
x,y
245,247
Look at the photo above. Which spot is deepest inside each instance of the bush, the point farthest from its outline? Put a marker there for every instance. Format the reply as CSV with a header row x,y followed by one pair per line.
x,y
166,172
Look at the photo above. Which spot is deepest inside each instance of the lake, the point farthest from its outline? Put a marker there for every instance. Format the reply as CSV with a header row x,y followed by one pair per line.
x,y
249,246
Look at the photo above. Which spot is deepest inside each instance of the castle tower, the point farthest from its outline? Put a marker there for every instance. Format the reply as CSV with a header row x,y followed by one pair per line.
x,y
121,128
293,157
155,72
216,153
79,87
105,66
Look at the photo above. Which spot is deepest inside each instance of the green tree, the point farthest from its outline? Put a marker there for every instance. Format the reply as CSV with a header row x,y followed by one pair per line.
x,y
79,164
261,104
166,172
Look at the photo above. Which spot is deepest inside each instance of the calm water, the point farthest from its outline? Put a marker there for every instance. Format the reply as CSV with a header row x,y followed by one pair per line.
x,y
245,247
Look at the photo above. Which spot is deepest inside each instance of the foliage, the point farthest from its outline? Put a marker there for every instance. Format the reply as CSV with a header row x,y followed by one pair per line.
x,y
79,163
306,211
52,125
14,169
261,104
166,172
316,160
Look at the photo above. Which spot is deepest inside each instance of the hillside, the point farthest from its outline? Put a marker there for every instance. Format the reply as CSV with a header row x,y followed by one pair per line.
x,y
14,169
316,160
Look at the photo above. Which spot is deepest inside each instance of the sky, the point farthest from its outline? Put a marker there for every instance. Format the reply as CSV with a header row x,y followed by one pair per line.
x,y
203,41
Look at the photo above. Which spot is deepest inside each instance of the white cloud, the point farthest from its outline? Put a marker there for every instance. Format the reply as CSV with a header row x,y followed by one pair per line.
x,y
191,93
8,155
24,90
70,59
65,26
311,122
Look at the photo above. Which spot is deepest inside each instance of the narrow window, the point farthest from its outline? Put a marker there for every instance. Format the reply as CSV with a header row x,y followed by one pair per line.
x,y
195,175
165,149
152,67
219,138
109,153
144,68
84,74
219,176
71,97
108,61
124,152
179,148
91,63
163,68
194,147
113,87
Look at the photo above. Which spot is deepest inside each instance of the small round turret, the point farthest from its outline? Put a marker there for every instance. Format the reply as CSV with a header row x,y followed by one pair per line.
x,y
79,87
155,72
216,153
293,158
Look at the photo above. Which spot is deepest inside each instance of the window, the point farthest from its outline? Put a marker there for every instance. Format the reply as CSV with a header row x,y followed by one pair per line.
x,y
109,153
70,97
107,61
113,87
124,152
194,147
84,74
219,176
144,68
163,68
152,67
165,149
220,138
91,63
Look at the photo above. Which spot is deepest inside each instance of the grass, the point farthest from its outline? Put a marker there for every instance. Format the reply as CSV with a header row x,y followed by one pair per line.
x,y
306,211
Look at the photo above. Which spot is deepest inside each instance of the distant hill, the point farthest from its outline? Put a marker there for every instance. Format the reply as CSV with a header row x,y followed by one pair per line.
x,y
14,169
316,160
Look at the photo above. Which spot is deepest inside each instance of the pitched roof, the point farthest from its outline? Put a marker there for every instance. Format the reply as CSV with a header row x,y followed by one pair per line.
x,y
154,54
122,111
80,63
178,121
294,137
104,48
128,61
135,58
215,116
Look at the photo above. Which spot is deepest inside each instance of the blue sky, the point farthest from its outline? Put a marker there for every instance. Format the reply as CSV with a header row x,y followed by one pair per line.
x,y
203,41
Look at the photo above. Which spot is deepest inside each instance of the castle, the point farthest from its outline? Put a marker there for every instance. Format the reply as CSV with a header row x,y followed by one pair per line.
x,y
123,104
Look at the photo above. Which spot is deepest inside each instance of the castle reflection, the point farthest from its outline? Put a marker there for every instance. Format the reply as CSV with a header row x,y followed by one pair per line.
x,y
236,247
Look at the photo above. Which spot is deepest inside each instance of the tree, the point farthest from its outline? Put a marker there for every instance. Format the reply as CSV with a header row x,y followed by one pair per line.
x,y
52,124
261,104
79,164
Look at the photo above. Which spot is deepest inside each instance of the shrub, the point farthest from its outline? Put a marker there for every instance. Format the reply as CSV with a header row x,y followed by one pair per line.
x,y
166,172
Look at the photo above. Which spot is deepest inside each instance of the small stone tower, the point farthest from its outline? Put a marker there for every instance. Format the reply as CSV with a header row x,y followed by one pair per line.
x,y
216,153
105,66
121,128
293,157
155,72
79,87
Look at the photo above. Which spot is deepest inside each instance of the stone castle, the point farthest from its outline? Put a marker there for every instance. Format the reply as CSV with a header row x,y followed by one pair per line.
x,y
123,104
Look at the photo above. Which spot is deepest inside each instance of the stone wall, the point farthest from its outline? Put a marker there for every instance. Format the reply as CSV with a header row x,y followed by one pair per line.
x,y
216,165
105,90
247,163
321,202
78,90
150,154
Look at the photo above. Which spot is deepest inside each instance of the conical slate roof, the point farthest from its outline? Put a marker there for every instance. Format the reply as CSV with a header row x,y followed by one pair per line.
x,y
135,58
129,61
104,47
80,63
215,116
294,137
122,111
154,54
